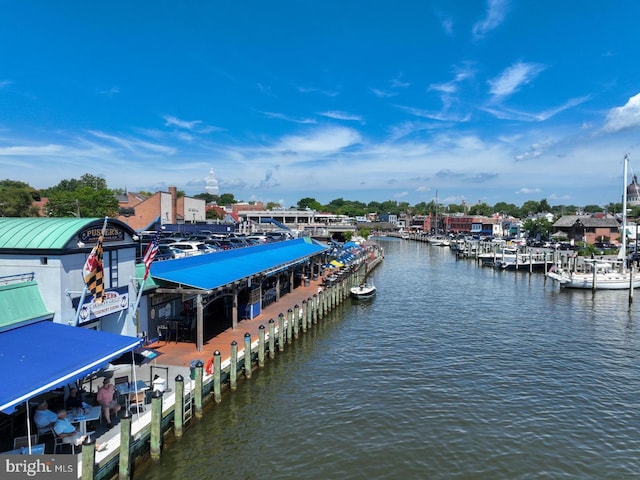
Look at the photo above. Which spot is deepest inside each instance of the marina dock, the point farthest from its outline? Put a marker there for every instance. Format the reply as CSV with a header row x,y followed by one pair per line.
x,y
195,379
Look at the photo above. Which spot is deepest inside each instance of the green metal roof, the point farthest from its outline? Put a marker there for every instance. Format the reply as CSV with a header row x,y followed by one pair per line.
x,y
150,284
41,233
20,302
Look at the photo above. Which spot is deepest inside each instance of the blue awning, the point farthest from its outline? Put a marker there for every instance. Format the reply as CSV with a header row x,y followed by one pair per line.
x,y
213,270
42,356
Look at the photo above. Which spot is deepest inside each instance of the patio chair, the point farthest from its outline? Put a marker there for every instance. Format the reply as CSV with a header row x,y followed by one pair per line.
x,y
20,442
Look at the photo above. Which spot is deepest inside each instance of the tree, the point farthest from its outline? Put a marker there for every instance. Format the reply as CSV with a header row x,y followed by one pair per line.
x,y
481,209
84,197
592,208
213,214
507,209
16,199
226,199
310,203
529,208
272,205
544,206
537,228
207,197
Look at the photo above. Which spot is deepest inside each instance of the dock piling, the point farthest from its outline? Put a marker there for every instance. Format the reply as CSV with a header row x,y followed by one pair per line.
x,y
233,367
261,345
247,355
197,400
156,427
217,376
272,338
178,418
124,462
88,457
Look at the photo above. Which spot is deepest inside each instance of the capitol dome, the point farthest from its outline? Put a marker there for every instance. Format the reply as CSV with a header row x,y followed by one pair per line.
x,y
633,193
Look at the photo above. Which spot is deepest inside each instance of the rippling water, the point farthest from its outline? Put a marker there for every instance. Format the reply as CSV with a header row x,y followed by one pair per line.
x,y
453,371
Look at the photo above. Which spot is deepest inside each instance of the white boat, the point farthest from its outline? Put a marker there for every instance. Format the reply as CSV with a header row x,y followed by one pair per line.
x,y
364,290
600,274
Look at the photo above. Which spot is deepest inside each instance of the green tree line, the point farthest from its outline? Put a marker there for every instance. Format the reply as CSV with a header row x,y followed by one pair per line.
x,y
89,196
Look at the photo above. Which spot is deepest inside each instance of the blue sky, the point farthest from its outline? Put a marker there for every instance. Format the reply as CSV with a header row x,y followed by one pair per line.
x,y
477,100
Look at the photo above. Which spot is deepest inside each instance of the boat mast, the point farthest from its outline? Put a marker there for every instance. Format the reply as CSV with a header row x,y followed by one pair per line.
x,y
623,248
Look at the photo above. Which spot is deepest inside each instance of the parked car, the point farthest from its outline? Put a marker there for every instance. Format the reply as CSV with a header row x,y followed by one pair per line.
x,y
187,248
164,252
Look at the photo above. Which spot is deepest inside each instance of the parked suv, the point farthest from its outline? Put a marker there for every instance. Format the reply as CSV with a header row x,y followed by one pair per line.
x,y
187,249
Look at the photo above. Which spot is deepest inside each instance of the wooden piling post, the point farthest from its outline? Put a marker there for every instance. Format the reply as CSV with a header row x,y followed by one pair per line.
x,y
314,310
321,296
309,311
281,332
124,462
178,417
156,428
88,457
247,355
296,321
217,377
197,400
272,338
304,316
233,368
261,345
289,325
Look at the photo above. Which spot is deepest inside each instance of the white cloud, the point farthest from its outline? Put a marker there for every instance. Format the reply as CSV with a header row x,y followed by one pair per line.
x,y
512,114
625,117
527,191
496,10
322,141
135,145
441,116
383,93
326,93
5,83
109,91
27,151
287,118
514,77
337,115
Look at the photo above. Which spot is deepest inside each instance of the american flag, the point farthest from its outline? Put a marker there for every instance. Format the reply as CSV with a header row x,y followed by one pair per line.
x,y
150,254
93,272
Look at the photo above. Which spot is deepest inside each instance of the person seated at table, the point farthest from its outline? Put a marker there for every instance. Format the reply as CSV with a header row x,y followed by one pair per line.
x,y
106,398
44,418
74,400
65,430
68,433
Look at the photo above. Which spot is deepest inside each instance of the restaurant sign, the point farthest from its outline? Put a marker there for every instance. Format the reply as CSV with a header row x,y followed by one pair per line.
x,y
111,234
114,300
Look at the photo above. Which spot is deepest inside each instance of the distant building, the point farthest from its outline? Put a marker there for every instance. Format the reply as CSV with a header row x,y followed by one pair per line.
x,y
633,193
212,183
588,228
151,212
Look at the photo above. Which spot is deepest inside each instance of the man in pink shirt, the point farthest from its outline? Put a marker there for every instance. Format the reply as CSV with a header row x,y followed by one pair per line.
x,y
106,398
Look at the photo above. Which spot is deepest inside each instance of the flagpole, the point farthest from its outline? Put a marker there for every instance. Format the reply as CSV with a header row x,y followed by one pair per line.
x,y
80,303
149,255
86,288
134,313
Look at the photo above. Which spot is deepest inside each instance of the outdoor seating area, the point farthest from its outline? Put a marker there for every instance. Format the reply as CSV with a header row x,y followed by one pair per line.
x,y
177,330
24,436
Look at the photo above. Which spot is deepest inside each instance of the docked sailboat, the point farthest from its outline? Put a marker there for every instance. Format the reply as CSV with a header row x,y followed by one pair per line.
x,y
602,274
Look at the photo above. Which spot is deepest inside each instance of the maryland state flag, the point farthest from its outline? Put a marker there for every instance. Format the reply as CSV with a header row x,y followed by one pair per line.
x,y
93,271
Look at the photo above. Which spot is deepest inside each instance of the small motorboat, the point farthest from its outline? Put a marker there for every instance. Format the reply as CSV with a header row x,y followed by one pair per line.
x,y
364,290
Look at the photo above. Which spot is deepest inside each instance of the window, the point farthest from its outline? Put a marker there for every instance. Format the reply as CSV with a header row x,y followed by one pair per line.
x,y
113,269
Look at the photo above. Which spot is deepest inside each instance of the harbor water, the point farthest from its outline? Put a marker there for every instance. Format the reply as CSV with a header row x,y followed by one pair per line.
x,y
453,371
